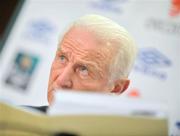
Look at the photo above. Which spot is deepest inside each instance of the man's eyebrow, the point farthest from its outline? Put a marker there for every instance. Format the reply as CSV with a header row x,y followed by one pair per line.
x,y
95,67
91,64
61,50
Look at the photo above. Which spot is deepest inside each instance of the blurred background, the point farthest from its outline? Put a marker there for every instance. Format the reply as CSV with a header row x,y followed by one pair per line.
x,y
29,33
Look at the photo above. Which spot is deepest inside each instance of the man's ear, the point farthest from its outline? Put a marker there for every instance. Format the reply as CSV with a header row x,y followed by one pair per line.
x,y
120,86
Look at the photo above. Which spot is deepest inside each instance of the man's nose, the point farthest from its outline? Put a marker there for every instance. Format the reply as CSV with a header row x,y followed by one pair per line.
x,y
64,80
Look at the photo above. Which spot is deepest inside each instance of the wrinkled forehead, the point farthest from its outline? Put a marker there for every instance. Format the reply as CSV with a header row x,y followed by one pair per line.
x,y
83,44
81,40
82,37
85,38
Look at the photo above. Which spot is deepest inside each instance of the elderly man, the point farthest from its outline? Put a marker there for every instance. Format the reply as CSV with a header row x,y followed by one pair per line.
x,y
95,54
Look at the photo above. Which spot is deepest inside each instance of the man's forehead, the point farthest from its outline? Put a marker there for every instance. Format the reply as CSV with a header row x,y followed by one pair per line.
x,y
82,37
81,41
85,53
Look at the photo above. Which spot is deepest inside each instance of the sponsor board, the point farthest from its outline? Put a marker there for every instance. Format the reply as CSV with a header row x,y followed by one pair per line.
x,y
21,71
108,5
164,26
41,31
174,8
152,62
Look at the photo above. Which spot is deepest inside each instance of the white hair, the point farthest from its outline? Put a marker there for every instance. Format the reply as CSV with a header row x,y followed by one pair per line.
x,y
113,35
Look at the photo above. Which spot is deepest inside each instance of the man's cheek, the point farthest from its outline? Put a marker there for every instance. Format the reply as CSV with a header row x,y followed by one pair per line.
x,y
55,73
87,85
55,65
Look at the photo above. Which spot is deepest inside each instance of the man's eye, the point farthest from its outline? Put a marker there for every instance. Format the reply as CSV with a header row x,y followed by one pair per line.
x,y
83,70
62,59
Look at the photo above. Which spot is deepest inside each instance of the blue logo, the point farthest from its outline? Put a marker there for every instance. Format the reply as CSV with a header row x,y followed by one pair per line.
x,y
108,5
152,62
41,31
178,124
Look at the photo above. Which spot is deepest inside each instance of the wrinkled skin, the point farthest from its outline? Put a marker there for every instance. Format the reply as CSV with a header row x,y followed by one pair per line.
x,y
82,63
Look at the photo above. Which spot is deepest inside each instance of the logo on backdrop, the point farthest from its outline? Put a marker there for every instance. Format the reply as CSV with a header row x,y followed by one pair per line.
x,y
175,8
152,62
21,70
108,5
164,26
134,93
41,31
177,124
